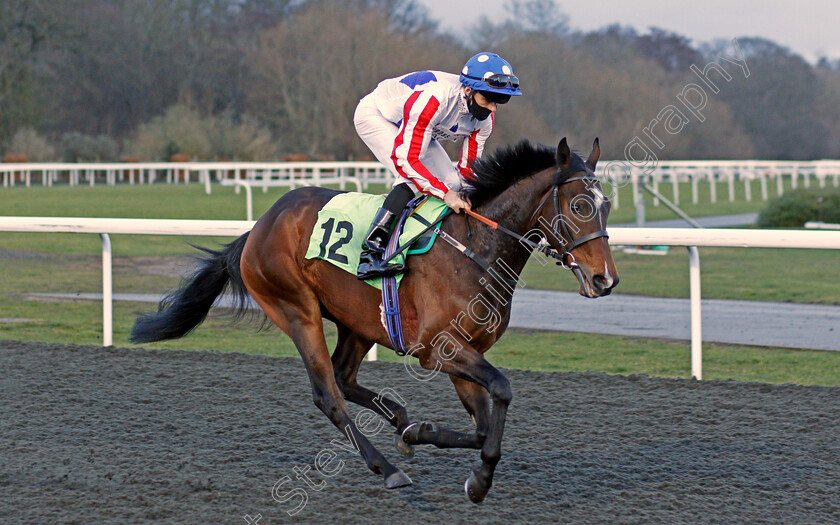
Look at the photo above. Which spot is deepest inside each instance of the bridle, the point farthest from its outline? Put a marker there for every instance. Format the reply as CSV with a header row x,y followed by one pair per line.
x,y
564,258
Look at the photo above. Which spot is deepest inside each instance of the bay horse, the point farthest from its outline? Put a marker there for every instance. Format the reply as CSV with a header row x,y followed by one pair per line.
x,y
532,192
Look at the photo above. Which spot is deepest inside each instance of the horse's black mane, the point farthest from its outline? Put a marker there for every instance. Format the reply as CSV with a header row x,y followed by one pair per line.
x,y
508,165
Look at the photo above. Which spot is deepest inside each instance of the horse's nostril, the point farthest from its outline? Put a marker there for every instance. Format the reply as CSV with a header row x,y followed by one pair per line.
x,y
602,282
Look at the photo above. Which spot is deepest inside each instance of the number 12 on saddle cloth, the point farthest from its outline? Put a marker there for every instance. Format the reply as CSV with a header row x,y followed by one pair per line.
x,y
345,220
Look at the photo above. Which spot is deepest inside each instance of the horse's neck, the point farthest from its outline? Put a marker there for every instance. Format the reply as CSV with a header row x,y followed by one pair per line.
x,y
515,206
512,209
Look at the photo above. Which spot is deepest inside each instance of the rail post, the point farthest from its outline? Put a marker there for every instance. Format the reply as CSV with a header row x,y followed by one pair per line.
x,y
249,198
107,292
696,318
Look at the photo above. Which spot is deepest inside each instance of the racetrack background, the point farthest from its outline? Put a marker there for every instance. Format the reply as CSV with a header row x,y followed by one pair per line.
x,y
119,435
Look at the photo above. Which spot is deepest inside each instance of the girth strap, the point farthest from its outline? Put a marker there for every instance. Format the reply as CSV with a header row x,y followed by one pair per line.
x,y
390,295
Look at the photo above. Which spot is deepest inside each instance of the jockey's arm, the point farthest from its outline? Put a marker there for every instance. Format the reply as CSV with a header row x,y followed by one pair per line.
x,y
473,146
411,143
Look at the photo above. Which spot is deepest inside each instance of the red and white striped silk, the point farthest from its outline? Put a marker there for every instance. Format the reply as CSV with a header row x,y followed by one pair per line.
x,y
473,147
413,140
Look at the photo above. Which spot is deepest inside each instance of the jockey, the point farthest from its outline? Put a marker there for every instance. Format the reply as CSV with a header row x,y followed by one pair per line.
x,y
403,121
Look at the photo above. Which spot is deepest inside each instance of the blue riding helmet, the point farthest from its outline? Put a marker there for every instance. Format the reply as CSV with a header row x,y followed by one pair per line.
x,y
488,71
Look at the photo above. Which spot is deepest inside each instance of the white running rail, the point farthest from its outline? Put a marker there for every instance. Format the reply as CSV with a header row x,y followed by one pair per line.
x,y
819,225
262,174
291,174
691,238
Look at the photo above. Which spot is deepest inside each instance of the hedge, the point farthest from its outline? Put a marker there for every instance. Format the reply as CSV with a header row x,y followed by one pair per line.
x,y
796,208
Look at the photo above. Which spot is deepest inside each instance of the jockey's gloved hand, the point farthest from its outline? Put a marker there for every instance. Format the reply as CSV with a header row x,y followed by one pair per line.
x,y
454,200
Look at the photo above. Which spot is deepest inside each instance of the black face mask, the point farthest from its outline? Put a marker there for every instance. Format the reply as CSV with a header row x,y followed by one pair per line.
x,y
477,111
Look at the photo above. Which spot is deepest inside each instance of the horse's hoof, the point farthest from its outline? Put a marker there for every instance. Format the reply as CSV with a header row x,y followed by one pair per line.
x,y
411,434
397,479
474,490
404,448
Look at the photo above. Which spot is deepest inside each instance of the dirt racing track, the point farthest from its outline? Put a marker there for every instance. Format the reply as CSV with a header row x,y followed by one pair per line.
x,y
93,435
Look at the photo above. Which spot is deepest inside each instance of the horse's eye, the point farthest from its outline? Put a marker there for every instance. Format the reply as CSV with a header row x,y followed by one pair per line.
x,y
577,209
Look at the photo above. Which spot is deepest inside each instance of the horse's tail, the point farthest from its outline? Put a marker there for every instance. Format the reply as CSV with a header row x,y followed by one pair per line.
x,y
184,309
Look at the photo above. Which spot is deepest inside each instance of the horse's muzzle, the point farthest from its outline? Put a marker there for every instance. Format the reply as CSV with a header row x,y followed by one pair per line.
x,y
598,286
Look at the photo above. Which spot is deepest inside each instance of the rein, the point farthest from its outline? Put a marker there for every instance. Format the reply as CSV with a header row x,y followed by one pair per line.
x,y
565,258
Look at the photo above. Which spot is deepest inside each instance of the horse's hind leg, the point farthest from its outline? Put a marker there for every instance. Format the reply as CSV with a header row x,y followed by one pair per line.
x,y
477,402
349,353
307,332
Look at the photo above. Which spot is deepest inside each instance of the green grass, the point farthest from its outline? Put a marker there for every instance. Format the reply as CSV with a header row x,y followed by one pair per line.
x,y
756,274
628,355
70,263
191,202
123,201
184,201
80,322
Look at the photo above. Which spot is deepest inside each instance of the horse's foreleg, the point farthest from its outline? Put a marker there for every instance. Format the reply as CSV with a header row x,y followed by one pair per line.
x,y
477,402
470,365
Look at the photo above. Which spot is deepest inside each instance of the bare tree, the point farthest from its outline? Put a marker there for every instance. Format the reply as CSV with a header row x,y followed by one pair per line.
x,y
540,16
671,51
26,30
308,74
104,67
779,104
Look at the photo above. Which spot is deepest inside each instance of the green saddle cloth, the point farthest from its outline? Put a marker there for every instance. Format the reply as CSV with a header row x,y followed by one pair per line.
x,y
345,220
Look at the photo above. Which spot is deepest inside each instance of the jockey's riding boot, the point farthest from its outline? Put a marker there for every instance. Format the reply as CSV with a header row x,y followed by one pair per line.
x,y
370,263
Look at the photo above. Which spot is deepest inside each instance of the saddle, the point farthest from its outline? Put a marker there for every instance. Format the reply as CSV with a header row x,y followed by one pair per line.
x,y
344,221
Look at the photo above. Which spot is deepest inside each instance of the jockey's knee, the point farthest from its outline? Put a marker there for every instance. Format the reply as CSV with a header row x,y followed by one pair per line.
x,y
398,198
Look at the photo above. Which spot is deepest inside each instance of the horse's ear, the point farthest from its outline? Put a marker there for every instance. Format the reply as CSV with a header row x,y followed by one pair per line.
x,y
564,154
595,155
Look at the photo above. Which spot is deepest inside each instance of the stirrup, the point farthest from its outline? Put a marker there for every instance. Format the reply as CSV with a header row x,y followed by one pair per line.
x,y
371,266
